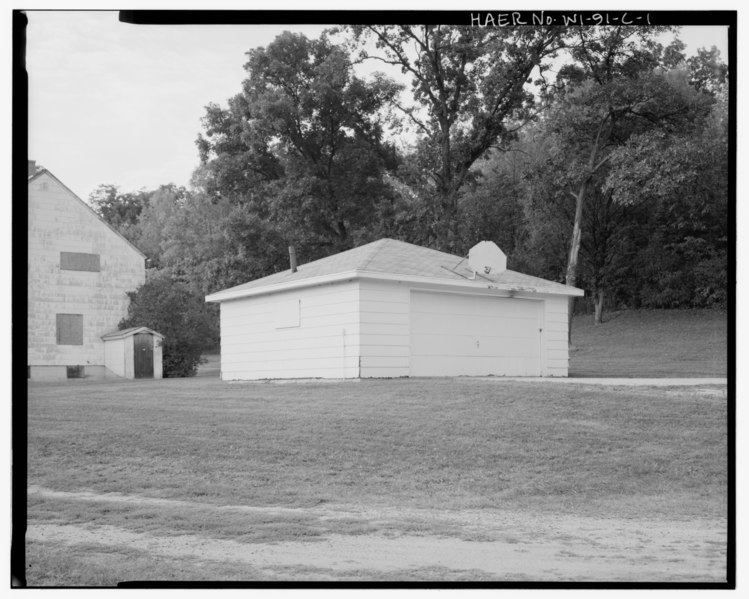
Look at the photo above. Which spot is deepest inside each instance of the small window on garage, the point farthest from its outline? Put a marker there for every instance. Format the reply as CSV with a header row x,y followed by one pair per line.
x,y
80,261
70,329
287,314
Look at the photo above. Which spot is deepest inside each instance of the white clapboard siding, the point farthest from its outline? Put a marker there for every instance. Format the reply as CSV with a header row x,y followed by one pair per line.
x,y
384,309
60,222
459,334
555,336
311,369
325,344
371,322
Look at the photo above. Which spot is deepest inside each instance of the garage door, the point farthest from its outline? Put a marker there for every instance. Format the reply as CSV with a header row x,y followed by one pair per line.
x,y
454,334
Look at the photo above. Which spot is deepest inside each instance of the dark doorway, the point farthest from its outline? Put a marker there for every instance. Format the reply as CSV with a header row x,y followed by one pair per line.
x,y
143,348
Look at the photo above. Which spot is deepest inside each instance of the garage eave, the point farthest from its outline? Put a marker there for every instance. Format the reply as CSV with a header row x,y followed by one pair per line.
x,y
465,284
232,294
478,283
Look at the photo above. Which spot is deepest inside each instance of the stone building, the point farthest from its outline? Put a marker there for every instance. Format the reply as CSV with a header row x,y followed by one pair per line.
x,y
79,272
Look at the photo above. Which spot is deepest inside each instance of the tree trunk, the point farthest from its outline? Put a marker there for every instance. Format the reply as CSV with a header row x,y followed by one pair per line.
x,y
447,224
571,277
598,298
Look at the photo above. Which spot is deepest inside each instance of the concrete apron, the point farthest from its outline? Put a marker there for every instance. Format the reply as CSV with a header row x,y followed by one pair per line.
x,y
634,382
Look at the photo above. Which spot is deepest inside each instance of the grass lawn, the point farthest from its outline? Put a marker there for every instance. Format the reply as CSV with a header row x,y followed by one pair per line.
x,y
118,470
452,443
456,444
650,343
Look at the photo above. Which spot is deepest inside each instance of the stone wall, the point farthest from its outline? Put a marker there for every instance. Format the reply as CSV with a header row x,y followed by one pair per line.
x,y
60,222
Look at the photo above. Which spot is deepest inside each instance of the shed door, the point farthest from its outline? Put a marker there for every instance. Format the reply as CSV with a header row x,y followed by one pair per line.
x,y
453,334
143,359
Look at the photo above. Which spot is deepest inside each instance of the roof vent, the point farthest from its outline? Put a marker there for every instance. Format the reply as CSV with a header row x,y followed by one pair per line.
x,y
485,258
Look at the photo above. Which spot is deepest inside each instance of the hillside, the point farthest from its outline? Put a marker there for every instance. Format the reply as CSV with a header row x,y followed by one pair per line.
x,y
651,343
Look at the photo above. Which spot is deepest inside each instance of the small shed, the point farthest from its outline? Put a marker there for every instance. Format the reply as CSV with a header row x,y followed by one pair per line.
x,y
134,353
394,309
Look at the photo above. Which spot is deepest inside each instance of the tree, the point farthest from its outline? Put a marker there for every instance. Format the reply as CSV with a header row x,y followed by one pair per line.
x,y
491,208
684,177
212,246
608,246
547,211
303,144
707,72
469,85
149,233
614,90
121,210
177,313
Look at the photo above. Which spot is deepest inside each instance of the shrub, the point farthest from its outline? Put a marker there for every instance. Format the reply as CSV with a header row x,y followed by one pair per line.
x,y
172,309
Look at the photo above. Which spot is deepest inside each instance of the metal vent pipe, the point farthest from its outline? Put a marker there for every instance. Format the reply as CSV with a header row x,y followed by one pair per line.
x,y
292,258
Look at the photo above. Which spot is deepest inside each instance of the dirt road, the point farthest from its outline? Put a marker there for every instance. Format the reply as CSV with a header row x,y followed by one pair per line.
x,y
514,546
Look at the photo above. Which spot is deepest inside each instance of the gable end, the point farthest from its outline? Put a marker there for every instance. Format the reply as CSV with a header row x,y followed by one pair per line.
x,y
87,207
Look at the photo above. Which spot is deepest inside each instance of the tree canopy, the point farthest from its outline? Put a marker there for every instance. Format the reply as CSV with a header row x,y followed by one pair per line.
x,y
471,84
606,168
302,146
621,86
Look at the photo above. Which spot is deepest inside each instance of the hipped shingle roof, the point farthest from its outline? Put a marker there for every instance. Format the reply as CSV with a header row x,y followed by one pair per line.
x,y
392,257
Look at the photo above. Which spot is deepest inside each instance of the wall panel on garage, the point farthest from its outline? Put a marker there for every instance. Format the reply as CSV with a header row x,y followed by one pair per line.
x,y
455,334
324,344
556,334
384,309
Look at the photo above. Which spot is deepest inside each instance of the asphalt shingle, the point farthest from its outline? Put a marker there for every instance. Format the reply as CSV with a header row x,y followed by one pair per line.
x,y
393,257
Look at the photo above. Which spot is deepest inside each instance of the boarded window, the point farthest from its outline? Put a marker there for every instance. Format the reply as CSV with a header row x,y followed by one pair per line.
x,y
70,329
79,261
287,314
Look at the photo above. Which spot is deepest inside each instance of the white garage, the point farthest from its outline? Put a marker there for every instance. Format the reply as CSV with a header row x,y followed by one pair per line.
x,y
393,309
